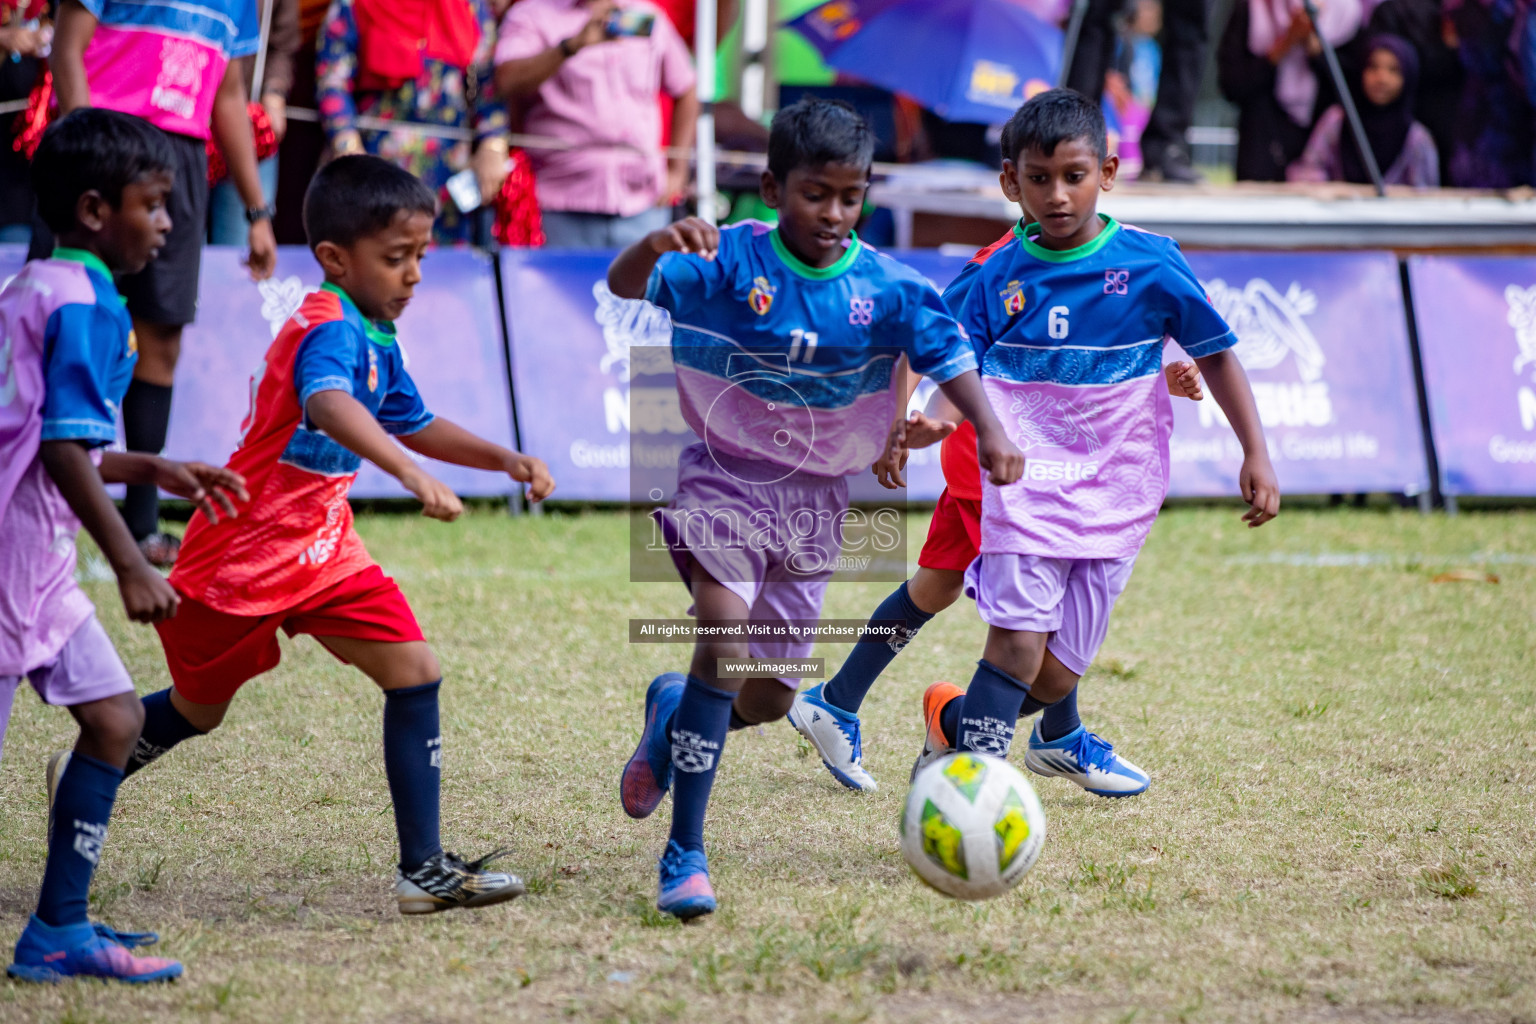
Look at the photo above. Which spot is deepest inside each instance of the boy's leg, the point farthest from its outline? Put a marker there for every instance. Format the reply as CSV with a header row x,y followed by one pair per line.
x,y
428,879
1093,585
60,941
910,606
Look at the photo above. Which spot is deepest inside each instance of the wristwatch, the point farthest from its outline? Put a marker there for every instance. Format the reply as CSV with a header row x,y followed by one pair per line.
x,y
567,48
256,213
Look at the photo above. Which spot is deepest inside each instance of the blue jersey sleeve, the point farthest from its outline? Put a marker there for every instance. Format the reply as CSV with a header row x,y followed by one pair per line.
x,y
247,38
975,319
83,353
681,281
1191,319
402,411
936,347
960,288
327,360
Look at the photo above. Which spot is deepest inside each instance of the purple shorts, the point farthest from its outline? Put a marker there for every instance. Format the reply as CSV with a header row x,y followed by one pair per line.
x,y
770,536
86,668
1069,598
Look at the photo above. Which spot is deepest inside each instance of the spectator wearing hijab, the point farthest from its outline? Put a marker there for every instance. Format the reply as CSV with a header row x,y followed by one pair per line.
x,y
1422,24
1404,149
1491,147
1270,64
427,61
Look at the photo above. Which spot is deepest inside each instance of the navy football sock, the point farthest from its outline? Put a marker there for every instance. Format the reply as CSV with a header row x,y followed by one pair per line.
x,y
164,727
81,807
869,658
1060,718
413,757
697,731
991,705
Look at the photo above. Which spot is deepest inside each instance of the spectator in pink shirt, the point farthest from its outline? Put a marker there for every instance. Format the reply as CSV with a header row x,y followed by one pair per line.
x,y
576,82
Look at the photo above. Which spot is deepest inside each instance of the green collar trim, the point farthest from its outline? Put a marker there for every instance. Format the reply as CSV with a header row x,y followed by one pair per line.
x,y
1021,232
85,256
378,333
809,272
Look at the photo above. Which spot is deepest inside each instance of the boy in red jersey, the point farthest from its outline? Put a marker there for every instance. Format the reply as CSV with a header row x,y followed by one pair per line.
x,y
330,393
827,714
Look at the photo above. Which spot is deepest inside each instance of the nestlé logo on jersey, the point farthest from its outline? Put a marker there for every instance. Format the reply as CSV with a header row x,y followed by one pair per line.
x,y
760,298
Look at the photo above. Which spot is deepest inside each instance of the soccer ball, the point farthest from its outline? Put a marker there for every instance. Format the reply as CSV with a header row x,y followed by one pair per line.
x,y
972,827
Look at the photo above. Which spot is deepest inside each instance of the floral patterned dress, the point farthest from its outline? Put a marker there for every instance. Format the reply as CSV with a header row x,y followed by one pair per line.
x,y
442,95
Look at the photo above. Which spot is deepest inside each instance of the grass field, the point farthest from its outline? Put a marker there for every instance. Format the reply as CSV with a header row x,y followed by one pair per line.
x,y
1339,827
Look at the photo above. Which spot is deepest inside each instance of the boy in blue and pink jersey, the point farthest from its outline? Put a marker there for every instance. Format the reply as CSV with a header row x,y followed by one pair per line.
x,y
784,345
66,353
1069,320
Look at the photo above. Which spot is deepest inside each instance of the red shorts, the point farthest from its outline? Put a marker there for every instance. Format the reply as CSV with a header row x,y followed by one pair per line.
x,y
954,535
212,653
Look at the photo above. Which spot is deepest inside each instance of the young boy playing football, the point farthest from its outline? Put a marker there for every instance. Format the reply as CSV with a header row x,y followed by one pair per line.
x,y
1069,318
774,330
66,355
332,391
827,714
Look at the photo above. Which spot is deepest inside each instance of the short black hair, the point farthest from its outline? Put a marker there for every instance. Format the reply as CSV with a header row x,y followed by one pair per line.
x,y
355,196
1051,118
93,149
813,132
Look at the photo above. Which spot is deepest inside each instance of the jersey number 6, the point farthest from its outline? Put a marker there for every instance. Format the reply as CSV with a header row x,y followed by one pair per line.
x,y
1056,321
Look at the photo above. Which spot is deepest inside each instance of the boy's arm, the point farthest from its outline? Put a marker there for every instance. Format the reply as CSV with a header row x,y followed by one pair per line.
x,y
1229,386
232,131
446,441
71,34
345,421
209,487
147,597
999,456
630,271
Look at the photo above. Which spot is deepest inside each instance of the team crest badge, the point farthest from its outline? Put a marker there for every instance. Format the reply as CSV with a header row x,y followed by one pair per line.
x,y
373,371
761,296
133,342
1013,298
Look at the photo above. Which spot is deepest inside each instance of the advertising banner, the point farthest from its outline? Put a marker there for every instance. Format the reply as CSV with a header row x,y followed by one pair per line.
x,y
1477,333
450,336
1323,338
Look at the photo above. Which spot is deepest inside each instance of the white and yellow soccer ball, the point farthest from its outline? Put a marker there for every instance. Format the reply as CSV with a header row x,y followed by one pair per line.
x,y
972,827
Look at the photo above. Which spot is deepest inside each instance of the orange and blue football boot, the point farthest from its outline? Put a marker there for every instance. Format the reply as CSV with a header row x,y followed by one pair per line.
x,y
48,954
684,890
935,744
648,774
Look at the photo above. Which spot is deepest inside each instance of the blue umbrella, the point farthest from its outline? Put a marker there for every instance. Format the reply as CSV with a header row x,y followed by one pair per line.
x,y
967,60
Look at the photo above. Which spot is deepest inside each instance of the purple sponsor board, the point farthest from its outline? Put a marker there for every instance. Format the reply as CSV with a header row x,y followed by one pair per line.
x,y
571,341
1477,335
449,334
1323,337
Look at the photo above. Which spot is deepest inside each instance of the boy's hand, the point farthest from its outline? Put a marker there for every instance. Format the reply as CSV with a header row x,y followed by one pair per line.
x,y
146,595
526,469
918,430
262,258
1260,489
690,235
211,487
437,499
999,456
1184,381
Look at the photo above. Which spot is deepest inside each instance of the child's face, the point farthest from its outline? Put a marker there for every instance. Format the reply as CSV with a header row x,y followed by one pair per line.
x,y
1383,80
818,208
1061,191
129,235
380,271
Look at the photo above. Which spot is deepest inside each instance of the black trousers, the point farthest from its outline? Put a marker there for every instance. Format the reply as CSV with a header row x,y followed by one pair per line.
x,y
1184,40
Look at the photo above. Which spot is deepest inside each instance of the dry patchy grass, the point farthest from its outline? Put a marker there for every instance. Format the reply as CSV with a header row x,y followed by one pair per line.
x,y
1338,828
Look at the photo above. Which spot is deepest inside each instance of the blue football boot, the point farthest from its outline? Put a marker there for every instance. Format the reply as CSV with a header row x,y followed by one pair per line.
x,y
648,774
